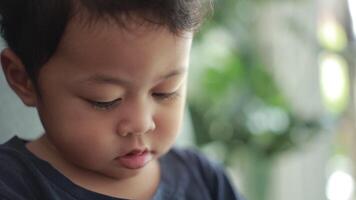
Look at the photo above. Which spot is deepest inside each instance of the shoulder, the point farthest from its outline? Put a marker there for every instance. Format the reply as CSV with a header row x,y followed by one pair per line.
x,y
12,155
196,161
15,182
202,173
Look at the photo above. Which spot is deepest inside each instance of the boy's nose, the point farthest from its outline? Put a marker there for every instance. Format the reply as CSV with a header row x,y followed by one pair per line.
x,y
135,120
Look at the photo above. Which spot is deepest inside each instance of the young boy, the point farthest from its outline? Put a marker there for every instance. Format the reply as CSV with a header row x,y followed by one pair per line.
x,y
108,79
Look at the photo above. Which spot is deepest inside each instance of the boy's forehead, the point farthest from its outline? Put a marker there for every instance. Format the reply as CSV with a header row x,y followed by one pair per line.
x,y
132,23
101,45
114,80
83,27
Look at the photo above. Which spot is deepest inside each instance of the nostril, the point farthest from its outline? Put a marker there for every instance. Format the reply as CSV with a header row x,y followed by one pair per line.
x,y
129,129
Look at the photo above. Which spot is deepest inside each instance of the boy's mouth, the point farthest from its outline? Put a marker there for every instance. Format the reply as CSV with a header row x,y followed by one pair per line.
x,y
136,152
135,159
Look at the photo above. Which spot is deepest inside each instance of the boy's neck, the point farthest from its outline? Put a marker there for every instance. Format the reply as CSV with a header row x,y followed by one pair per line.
x,y
135,187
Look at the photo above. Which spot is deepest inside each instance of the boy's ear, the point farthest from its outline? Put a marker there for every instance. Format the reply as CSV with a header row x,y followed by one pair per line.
x,y
17,77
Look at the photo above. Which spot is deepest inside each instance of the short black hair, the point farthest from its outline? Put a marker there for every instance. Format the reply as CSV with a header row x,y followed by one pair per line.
x,y
34,28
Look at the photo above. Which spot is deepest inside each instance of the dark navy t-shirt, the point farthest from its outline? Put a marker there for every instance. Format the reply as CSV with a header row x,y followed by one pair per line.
x,y
186,174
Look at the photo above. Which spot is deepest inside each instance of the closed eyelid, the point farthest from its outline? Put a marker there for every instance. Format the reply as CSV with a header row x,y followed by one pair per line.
x,y
176,72
105,105
171,83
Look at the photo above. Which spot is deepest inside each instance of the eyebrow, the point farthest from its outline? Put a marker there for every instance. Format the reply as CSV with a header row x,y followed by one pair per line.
x,y
108,79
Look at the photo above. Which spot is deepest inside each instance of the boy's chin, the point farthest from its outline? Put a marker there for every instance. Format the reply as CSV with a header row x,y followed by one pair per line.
x,y
120,173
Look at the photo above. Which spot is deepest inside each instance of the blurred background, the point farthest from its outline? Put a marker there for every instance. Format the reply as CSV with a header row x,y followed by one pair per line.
x,y
271,96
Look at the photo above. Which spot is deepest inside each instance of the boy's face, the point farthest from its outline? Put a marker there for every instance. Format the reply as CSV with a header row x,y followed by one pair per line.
x,y
111,99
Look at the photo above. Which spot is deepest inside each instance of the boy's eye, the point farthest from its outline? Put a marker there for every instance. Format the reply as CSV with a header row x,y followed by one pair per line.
x,y
165,96
107,105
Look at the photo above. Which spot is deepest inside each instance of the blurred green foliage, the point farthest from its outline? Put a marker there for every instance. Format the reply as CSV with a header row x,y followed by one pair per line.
x,y
236,102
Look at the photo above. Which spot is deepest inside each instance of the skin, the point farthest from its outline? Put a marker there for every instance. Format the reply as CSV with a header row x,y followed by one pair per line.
x,y
142,70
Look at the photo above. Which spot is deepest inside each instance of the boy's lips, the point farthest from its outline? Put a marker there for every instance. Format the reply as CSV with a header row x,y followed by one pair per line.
x,y
135,159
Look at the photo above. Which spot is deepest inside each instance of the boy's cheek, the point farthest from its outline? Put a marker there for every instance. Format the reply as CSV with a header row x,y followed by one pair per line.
x,y
168,125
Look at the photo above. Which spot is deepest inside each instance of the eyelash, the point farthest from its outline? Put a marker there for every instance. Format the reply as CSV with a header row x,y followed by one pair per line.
x,y
165,96
111,104
105,105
